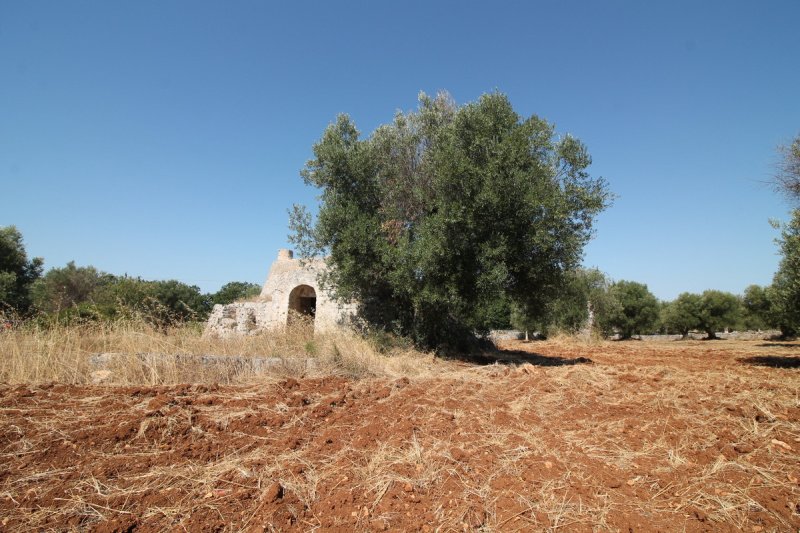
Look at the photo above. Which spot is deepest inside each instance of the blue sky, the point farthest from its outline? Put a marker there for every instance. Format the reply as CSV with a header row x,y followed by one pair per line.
x,y
164,138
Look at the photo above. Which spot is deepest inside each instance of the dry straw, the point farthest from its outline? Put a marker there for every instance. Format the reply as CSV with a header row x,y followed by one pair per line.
x,y
140,354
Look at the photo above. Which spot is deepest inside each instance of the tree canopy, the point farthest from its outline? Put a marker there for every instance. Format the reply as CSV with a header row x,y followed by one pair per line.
x,y
62,288
786,283
757,308
583,290
683,314
785,291
235,290
446,213
718,310
787,179
17,273
634,309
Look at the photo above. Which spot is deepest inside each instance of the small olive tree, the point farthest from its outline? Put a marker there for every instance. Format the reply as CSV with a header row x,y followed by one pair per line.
x,y
634,309
718,310
683,314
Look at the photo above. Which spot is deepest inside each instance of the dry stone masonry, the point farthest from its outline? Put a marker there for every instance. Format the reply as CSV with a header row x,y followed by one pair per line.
x,y
291,290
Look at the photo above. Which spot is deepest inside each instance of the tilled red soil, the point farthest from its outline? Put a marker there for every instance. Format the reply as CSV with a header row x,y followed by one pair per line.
x,y
634,437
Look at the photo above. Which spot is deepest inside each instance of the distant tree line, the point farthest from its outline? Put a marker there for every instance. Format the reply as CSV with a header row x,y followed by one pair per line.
x,y
82,293
628,308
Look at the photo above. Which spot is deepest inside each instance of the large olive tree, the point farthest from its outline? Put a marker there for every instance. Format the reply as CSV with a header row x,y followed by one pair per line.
x,y
785,290
787,178
442,217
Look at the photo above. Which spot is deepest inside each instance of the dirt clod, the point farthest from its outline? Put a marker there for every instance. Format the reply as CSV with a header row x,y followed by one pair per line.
x,y
273,493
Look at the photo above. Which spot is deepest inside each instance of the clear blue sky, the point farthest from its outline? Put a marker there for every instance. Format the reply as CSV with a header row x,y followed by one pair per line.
x,y
164,138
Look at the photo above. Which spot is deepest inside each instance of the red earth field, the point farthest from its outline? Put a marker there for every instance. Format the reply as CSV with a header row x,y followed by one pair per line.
x,y
625,436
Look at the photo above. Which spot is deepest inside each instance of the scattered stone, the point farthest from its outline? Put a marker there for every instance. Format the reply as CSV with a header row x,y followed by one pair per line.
x,y
408,487
526,368
99,377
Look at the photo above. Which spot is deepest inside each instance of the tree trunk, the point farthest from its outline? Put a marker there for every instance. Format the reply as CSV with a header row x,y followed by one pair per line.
x,y
711,335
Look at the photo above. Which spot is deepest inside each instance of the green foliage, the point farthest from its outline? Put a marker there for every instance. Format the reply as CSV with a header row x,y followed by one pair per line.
x,y
787,180
582,290
17,273
449,215
786,283
522,321
757,310
174,301
63,288
160,302
683,314
79,294
718,310
633,309
235,290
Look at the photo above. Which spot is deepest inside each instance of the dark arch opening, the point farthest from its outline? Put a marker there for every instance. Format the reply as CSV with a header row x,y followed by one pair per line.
x,y
302,304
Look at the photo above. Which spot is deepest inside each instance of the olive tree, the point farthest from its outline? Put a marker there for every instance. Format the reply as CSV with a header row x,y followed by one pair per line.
x,y
718,310
17,272
634,311
787,179
785,290
683,314
757,308
439,215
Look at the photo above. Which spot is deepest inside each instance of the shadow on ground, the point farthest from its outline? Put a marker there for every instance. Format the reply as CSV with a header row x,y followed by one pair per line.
x,y
773,361
778,345
518,357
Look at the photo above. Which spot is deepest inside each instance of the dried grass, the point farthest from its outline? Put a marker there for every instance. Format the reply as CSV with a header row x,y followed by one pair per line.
x,y
645,433
140,354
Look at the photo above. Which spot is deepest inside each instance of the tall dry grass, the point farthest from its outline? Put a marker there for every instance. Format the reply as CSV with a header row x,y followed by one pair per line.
x,y
139,354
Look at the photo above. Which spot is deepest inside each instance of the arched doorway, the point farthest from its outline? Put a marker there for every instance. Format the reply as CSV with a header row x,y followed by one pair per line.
x,y
302,304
